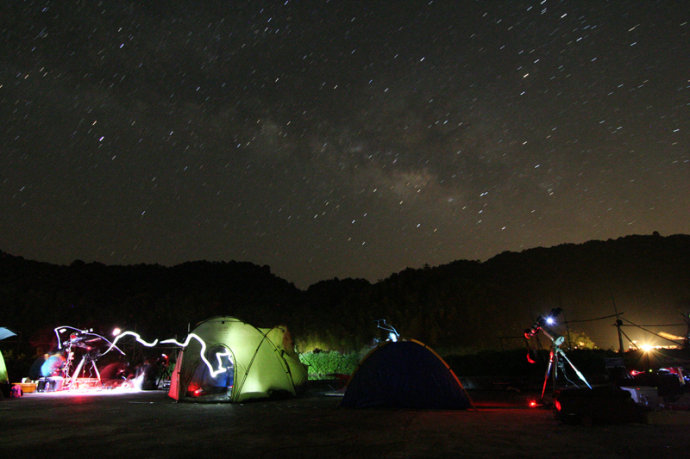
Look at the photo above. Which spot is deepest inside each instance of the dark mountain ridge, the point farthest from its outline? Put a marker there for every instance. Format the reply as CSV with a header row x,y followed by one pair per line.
x,y
460,306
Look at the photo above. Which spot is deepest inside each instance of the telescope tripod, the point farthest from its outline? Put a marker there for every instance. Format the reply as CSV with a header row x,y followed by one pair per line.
x,y
554,355
85,360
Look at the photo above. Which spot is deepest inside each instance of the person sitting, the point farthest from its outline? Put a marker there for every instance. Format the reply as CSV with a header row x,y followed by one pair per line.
x,y
53,365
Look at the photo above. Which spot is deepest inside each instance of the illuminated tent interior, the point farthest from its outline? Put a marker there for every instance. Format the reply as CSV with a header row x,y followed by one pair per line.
x,y
229,360
404,374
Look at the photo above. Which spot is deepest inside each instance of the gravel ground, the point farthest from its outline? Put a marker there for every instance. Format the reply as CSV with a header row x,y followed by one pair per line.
x,y
149,424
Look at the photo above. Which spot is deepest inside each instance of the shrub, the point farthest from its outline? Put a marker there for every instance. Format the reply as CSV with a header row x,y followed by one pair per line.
x,y
327,364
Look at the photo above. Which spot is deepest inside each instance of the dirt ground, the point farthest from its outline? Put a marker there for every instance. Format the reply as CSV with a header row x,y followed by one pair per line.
x,y
149,424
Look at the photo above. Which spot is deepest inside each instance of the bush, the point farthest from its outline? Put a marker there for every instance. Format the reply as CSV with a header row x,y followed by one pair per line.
x,y
327,364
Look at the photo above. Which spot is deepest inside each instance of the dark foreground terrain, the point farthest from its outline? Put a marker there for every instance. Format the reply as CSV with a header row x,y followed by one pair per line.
x,y
149,424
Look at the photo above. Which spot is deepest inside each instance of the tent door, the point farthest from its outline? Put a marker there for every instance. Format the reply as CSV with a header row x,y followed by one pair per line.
x,y
214,377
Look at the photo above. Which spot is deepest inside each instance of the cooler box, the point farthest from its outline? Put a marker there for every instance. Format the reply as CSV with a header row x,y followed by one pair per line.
x,y
27,388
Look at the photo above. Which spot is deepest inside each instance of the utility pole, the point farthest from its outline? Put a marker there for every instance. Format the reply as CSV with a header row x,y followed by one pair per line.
x,y
619,323
620,338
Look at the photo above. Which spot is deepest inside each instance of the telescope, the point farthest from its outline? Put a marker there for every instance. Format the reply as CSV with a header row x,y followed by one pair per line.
x,y
544,324
393,334
89,342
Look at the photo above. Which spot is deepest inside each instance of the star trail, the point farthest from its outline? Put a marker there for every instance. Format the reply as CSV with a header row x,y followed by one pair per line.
x,y
336,138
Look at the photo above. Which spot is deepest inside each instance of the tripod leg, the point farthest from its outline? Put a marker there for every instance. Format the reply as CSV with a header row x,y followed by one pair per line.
x,y
548,371
579,375
76,373
95,369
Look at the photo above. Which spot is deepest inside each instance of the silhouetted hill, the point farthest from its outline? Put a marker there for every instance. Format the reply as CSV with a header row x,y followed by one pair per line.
x,y
472,304
464,305
646,277
152,299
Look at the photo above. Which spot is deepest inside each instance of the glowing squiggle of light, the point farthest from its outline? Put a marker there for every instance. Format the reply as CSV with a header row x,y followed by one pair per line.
x,y
219,355
202,353
136,337
63,328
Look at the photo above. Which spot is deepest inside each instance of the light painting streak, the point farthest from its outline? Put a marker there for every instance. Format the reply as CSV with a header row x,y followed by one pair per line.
x,y
63,328
202,353
139,339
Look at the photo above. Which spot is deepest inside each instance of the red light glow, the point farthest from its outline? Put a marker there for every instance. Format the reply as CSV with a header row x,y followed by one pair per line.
x,y
195,390
557,404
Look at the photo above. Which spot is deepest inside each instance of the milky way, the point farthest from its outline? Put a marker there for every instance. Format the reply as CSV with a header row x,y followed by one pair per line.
x,y
339,139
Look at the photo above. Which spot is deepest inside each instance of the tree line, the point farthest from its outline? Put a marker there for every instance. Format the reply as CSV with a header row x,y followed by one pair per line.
x,y
461,307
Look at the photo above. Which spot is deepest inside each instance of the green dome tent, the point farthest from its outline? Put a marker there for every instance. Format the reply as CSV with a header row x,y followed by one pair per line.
x,y
4,378
228,360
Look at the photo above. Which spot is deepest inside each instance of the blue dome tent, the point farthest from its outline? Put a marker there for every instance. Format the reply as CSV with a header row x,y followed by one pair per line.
x,y
405,374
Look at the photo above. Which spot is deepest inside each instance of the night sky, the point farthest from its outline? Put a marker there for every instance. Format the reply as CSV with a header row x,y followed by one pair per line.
x,y
339,139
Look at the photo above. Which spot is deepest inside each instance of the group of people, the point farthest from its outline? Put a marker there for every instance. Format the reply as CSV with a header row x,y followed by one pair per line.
x,y
50,364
